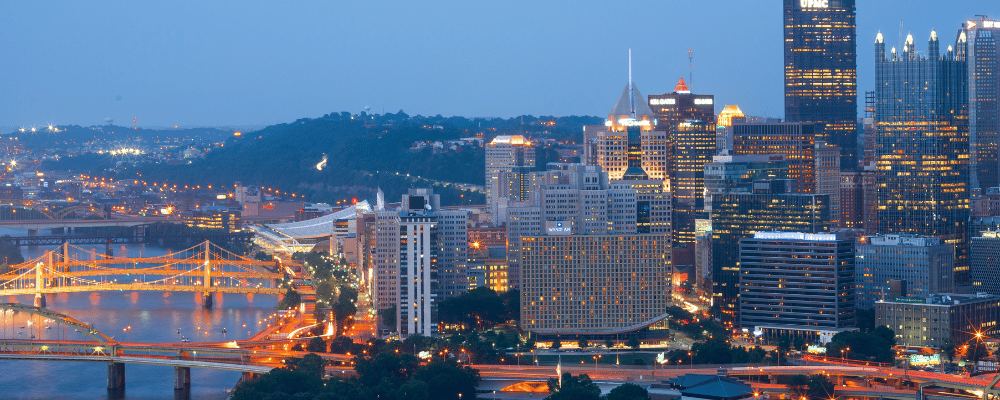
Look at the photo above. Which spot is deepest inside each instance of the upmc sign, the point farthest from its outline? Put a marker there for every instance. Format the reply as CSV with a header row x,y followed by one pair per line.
x,y
814,3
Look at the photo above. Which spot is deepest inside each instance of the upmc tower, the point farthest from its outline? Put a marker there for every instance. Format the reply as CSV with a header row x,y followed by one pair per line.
x,y
821,71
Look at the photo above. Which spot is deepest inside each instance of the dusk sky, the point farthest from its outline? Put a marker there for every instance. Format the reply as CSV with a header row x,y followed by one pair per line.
x,y
247,63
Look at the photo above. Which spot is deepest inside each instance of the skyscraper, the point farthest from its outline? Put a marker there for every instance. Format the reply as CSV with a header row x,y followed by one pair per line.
x,y
503,157
630,144
982,51
739,215
821,70
922,145
796,284
795,141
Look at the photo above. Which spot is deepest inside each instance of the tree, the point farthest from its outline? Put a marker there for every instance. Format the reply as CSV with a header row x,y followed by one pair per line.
x,y
316,345
948,348
262,256
628,391
448,380
633,342
388,317
866,319
556,343
573,388
799,343
290,300
9,253
583,343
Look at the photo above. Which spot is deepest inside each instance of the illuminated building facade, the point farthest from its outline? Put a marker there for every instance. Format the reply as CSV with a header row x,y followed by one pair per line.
x,y
940,319
985,262
828,177
630,136
693,146
982,52
214,217
487,267
594,284
922,145
796,284
922,265
504,154
739,215
797,142
736,174
821,70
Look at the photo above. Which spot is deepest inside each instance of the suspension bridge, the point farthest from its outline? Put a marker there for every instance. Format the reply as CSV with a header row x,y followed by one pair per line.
x,y
205,268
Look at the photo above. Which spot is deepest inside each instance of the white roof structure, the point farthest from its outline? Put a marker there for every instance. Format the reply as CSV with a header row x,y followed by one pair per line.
x,y
287,237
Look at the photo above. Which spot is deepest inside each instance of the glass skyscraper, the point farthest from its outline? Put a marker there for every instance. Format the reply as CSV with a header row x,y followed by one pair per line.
x,y
922,145
821,71
984,91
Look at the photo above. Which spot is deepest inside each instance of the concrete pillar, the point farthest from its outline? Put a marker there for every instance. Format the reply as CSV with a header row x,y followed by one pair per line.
x,y
206,299
182,378
32,232
116,377
40,300
108,249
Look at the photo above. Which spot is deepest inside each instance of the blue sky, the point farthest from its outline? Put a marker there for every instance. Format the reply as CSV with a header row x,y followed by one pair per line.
x,y
263,62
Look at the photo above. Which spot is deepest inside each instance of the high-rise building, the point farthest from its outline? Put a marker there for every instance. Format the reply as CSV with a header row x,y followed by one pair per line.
x,y
828,177
852,200
670,109
793,140
821,70
796,284
982,52
736,174
739,215
919,265
630,141
922,145
503,154
594,285
985,262
693,143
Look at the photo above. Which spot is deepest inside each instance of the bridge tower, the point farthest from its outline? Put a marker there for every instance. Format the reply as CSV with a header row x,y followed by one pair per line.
x,y
207,295
40,284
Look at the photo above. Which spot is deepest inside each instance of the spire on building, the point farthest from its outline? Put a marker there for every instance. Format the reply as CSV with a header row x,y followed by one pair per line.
x,y
631,88
878,38
933,35
681,86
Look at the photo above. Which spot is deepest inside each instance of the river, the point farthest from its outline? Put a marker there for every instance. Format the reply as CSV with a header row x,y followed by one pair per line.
x,y
152,316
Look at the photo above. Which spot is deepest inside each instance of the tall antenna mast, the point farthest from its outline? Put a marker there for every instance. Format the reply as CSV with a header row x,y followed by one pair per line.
x,y
631,93
690,68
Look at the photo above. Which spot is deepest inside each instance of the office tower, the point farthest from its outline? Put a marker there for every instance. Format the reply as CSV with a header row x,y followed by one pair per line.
x,y
639,206
592,135
452,242
796,284
385,284
504,153
940,319
982,50
828,177
487,266
852,200
922,145
867,140
739,215
671,109
594,284
921,265
693,143
630,136
821,70
985,262
736,174
723,138
793,140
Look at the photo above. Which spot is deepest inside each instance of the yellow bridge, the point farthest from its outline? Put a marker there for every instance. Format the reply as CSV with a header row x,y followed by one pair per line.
x,y
205,268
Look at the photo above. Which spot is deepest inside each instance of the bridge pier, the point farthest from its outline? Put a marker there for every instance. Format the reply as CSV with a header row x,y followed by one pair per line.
x,y
206,299
116,377
40,300
108,249
182,378
33,232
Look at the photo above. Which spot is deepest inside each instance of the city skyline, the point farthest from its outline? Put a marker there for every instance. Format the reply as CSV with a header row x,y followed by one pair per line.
x,y
245,76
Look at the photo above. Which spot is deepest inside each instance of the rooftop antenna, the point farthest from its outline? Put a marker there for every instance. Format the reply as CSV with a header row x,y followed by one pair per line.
x,y
690,68
899,40
631,93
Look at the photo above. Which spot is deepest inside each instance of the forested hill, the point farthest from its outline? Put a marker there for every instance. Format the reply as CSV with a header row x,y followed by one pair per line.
x,y
363,152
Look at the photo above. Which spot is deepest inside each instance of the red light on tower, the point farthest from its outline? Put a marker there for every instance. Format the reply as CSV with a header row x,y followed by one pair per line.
x,y
354,200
